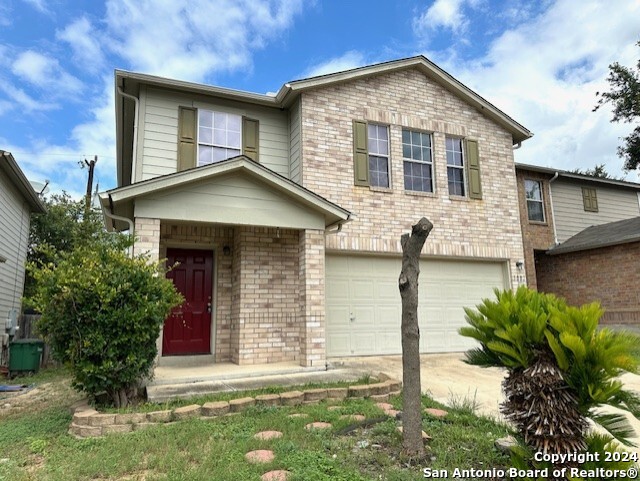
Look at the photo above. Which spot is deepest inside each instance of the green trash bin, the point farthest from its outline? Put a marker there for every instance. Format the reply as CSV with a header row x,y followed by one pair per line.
x,y
25,355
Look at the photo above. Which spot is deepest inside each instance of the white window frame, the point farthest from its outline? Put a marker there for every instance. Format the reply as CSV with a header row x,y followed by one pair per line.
x,y
212,144
411,160
541,200
377,154
462,167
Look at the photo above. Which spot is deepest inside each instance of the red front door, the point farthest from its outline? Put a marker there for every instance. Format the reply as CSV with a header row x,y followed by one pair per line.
x,y
187,330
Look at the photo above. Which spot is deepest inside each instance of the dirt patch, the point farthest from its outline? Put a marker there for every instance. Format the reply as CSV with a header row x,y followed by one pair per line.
x,y
35,397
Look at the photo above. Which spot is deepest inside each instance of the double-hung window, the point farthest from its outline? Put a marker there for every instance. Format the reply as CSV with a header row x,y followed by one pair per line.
x,y
535,205
378,145
455,166
219,136
418,161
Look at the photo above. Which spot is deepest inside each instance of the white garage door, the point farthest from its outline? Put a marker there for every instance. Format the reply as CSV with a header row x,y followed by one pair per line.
x,y
364,309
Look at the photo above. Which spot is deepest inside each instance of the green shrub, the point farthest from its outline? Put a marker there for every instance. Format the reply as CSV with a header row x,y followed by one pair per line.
x,y
102,312
561,367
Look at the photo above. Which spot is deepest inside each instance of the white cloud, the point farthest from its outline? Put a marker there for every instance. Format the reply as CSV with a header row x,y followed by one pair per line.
x,y
347,61
39,5
81,36
45,72
23,100
545,73
191,41
444,14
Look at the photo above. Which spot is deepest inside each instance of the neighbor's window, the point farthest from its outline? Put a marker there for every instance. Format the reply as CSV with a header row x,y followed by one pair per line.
x,y
378,146
219,136
455,166
590,199
418,161
535,206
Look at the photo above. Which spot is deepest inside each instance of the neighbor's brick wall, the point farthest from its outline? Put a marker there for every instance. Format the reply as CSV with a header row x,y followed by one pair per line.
x,y
489,228
609,275
265,296
312,297
213,238
535,235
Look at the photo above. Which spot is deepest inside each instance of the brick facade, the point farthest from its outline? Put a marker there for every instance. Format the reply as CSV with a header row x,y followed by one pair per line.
x,y
464,228
609,275
536,236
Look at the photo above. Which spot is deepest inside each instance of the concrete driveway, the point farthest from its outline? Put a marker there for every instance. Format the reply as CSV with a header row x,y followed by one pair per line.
x,y
448,379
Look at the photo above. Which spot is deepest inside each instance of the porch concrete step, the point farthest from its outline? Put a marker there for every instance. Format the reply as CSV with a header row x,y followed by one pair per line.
x,y
160,392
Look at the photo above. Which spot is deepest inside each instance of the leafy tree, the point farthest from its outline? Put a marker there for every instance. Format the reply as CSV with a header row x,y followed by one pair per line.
x,y
64,226
599,171
561,367
102,312
625,98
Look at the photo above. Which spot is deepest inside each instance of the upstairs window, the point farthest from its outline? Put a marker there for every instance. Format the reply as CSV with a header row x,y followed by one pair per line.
x,y
418,161
370,154
535,205
455,167
219,136
590,199
378,145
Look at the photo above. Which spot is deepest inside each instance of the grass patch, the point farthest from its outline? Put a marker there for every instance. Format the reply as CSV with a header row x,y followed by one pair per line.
x,y
37,446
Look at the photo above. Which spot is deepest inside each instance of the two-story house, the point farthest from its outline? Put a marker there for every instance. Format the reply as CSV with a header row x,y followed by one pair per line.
x,y
581,238
285,211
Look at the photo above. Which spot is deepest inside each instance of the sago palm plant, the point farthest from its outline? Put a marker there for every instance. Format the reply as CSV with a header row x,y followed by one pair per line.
x,y
561,367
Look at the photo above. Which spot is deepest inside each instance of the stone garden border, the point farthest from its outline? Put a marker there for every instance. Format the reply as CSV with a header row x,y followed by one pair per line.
x,y
89,423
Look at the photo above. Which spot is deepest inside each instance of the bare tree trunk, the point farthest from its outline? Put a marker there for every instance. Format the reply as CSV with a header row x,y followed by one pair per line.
x,y
411,391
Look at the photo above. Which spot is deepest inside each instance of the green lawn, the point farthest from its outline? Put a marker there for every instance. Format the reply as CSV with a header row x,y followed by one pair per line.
x,y
34,444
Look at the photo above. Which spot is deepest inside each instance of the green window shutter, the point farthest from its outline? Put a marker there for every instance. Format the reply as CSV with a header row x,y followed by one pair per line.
x,y
186,138
360,153
250,129
473,169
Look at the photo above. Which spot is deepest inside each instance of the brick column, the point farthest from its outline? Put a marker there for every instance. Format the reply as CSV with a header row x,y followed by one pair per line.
x,y
147,232
312,292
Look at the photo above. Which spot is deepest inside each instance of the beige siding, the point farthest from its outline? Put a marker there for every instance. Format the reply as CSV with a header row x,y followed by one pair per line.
x,y
614,203
14,235
231,199
159,136
294,141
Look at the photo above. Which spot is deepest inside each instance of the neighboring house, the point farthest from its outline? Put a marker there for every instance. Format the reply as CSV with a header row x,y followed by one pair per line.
x,y
17,201
285,211
581,238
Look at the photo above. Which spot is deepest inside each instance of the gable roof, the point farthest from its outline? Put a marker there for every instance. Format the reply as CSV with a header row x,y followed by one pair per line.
x,y
129,83
123,197
9,165
574,176
604,235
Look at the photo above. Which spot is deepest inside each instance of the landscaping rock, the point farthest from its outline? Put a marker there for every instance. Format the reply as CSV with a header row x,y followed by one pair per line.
x,y
315,395
218,408
278,475
384,406
353,417
159,416
268,399
102,419
394,386
291,398
82,405
266,435
360,391
438,413
86,431
379,397
317,425
337,393
186,412
259,456
82,418
379,388
239,405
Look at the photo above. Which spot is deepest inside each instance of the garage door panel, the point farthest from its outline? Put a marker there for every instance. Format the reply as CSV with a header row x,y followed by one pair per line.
x,y
368,288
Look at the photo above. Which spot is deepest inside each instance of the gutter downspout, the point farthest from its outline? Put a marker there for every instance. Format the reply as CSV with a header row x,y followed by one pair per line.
x,y
553,214
339,225
113,216
134,154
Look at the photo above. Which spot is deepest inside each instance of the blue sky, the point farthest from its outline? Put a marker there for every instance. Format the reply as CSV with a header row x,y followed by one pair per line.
x,y
540,61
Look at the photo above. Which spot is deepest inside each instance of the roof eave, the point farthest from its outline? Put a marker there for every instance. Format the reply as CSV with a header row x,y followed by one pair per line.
x,y
22,183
